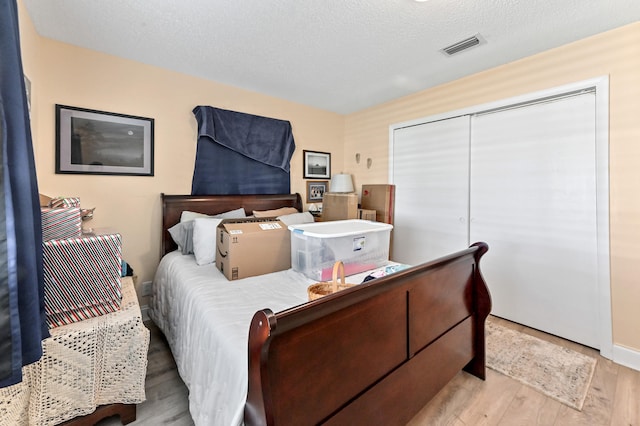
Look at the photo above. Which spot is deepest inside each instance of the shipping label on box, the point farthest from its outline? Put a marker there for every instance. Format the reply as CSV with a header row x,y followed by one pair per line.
x,y
60,223
252,246
82,277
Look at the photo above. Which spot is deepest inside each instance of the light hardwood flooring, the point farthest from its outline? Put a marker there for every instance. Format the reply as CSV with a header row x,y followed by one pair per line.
x,y
613,398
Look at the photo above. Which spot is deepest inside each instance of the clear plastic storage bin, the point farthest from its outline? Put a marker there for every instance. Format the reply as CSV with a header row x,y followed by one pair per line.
x,y
360,244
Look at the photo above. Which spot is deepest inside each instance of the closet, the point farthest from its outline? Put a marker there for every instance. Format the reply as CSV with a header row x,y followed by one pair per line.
x,y
524,176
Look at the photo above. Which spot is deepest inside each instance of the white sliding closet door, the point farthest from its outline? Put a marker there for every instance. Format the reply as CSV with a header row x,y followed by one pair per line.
x,y
533,200
431,174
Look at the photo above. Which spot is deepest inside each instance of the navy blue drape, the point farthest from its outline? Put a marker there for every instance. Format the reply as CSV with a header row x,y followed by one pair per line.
x,y
22,320
240,153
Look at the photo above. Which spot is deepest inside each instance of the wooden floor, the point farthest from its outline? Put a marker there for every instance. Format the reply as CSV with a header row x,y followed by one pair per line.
x,y
613,399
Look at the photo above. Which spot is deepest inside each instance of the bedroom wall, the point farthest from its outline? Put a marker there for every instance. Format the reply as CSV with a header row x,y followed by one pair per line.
x,y
615,53
68,75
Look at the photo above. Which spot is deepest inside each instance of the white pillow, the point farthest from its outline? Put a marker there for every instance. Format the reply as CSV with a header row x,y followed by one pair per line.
x,y
204,240
187,216
296,218
182,233
231,214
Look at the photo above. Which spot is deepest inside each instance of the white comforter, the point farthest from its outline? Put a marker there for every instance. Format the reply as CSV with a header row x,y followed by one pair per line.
x,y
206,321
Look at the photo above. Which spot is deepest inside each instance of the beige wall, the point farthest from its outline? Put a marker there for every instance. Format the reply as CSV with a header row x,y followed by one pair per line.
x,y
615,53
68,75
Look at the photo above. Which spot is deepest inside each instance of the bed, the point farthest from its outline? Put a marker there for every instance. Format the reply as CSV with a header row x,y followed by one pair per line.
x,y
254,351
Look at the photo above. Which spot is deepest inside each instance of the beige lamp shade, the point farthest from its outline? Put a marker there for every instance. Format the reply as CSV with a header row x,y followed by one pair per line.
x,y
341,182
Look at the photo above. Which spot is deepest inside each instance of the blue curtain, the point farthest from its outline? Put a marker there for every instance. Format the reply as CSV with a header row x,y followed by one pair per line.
x,y
240,153
22,320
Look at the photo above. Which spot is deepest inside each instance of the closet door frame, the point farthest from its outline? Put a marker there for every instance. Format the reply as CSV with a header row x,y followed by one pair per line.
x,y
601,87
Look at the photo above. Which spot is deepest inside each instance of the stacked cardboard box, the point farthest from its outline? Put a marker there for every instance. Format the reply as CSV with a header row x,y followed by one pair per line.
x,y
380,198
81,270
365,214
339,206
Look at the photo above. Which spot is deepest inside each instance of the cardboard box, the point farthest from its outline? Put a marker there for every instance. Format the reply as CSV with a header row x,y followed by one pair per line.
x,y
380,198
82,276
338,206
44,200
367,214
252,246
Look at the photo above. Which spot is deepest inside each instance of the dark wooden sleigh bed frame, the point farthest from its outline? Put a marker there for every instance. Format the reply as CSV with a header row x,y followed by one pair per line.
x,y
373,354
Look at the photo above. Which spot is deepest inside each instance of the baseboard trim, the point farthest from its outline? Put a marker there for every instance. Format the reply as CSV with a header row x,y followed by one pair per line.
x,y
627,357
144,311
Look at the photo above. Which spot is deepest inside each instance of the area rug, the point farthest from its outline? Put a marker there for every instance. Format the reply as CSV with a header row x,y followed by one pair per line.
x,y
560,373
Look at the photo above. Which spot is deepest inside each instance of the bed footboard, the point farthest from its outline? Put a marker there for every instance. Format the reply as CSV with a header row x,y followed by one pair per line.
x,y
372,354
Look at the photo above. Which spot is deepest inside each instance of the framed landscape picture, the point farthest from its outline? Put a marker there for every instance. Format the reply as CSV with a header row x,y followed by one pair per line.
x,y
317,165
99,142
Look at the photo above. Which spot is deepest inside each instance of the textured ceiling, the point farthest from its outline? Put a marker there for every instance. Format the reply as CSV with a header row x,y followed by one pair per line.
x,y
338,55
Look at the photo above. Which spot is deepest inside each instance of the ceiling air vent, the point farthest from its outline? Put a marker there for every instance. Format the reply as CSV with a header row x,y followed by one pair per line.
x,y
463,45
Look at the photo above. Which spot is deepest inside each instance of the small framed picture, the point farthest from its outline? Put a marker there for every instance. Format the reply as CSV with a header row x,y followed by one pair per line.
x,y
316,189
317,165
99,142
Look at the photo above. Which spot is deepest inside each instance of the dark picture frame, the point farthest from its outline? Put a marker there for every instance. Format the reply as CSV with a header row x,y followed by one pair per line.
x,y
316,190
317,165
105,143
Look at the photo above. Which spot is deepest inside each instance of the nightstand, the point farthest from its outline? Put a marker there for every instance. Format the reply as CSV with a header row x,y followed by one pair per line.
x,y
317,217
100,362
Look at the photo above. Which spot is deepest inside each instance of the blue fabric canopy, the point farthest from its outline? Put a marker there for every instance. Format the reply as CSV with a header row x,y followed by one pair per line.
x,y
240,153
22,319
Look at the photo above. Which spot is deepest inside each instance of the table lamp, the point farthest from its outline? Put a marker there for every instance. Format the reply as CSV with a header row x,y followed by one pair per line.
x,y
341,183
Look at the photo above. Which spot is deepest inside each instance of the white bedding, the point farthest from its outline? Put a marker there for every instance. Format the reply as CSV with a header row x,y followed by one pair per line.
x,y
206,321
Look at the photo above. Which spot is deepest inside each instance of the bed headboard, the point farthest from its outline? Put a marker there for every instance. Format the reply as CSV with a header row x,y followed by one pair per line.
x,y
174,205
